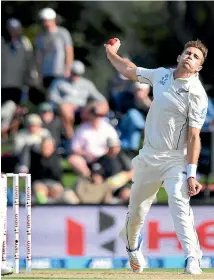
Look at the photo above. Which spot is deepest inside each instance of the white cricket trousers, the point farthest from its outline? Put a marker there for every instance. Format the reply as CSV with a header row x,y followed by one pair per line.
x,y
150,172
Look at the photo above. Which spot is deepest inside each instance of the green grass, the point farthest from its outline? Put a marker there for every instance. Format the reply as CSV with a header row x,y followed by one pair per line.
x,y
69,180
161,196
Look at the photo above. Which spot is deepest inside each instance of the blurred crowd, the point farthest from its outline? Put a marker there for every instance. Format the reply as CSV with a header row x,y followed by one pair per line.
x,y
95,134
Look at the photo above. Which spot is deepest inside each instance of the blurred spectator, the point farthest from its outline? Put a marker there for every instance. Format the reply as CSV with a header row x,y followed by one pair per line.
x,y
131,107
141,94
54,50
70,95
31,135
90,140
8,110
17,63
116,168
44,165
50,121
101,106
132,122
88,192
109,177
116,85
130,129
209,121
11,117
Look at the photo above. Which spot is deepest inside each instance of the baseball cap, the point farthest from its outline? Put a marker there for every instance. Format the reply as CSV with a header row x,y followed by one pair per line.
x,y
78,67
33,119
97,168
47,14
45,107
13,23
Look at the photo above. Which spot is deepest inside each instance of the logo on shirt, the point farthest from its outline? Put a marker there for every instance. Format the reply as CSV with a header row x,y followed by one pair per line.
x,y
164,79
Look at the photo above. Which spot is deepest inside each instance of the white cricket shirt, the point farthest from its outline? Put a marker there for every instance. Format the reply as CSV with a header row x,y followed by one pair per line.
x,y
177,104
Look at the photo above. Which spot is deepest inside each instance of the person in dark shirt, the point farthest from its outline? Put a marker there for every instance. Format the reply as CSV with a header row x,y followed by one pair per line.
x,y
50,121
43,163
115,168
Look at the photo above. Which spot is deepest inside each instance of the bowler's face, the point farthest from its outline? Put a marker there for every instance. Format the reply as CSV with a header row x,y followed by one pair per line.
x,y
191,59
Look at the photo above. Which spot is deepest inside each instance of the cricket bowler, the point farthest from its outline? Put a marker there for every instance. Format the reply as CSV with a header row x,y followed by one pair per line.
x,y
171,149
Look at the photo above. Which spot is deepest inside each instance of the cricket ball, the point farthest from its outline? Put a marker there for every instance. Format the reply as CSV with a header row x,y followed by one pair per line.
x,y
112,41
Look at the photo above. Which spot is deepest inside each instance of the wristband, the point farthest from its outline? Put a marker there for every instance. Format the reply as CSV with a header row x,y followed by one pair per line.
x,y
191,170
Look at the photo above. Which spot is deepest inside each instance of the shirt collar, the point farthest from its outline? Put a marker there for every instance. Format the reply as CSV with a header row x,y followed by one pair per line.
x,y
184,81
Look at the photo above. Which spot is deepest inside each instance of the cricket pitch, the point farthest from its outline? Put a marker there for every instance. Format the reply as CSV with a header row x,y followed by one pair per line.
x,y
116,274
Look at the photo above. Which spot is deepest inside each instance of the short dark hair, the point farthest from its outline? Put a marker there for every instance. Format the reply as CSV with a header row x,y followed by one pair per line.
x,y
199,45
93,111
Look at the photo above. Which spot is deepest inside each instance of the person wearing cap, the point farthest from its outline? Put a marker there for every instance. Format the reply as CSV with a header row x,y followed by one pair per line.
x,y
44,165
16,62
31,135
116,86
132,120
54,48
50,121
70,95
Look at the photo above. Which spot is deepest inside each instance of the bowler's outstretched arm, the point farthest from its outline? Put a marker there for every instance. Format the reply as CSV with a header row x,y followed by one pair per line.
x,y
122,65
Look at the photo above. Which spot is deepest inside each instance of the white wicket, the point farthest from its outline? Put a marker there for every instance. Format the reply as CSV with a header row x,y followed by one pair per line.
x,y
16,219
28,229
4,200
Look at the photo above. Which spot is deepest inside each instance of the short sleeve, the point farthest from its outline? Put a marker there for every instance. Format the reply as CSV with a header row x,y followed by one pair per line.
x,y
145,75
67,38
197,110
113,135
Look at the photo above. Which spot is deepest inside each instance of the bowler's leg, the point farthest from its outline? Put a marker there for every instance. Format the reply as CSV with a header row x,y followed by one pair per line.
x,y
182,215
141,198
143,192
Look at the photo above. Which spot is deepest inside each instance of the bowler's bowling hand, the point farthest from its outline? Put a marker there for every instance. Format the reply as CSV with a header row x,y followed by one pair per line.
x,y
194,186
112,46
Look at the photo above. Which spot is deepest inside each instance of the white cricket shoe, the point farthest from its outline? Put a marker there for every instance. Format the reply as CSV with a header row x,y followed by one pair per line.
x,y
6,269
192,266
136,259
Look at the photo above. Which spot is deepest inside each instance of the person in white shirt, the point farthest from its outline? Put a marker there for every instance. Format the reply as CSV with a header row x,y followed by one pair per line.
x,y
171,149
90,140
